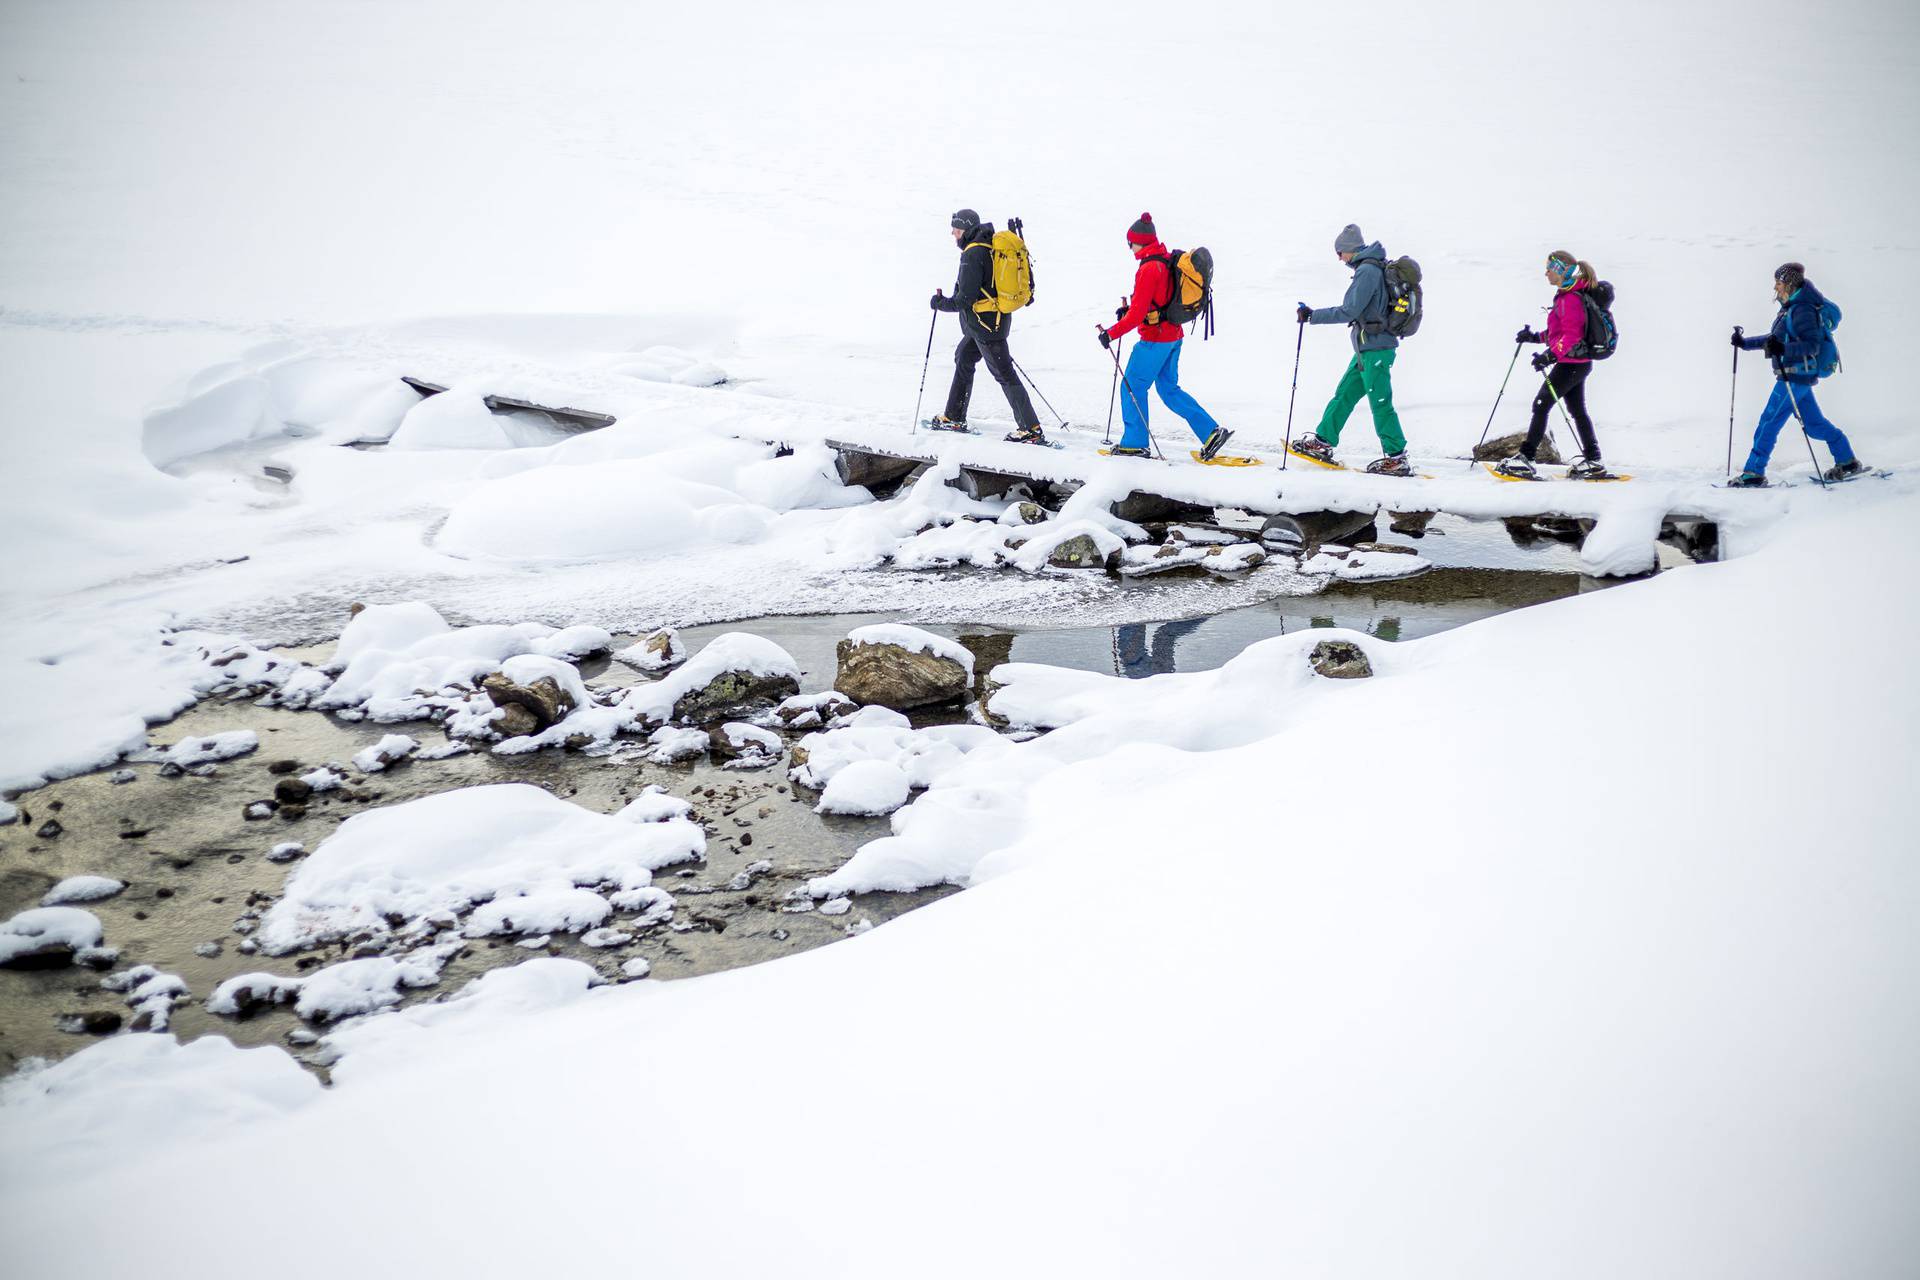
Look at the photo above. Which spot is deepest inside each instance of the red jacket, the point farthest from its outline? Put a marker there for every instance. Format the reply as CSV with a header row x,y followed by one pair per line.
x,y
1567,323
1152,289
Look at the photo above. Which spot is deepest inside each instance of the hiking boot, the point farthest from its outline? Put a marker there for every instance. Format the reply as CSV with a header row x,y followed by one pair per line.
x,y
1313,446
1589,469
1844,471
1393,464
1215,443
941,422
1748,480
1520,466
1026,435
1127,451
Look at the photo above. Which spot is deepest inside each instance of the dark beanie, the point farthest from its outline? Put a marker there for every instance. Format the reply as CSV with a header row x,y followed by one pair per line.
x,y
964,220
1791,274
1142,232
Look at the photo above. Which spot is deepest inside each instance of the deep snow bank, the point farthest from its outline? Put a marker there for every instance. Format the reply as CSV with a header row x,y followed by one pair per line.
x,y
1368,990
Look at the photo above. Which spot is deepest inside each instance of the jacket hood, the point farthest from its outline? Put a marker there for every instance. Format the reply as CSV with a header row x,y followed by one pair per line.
x,y
1371,253
982,234
1806,291
1149,250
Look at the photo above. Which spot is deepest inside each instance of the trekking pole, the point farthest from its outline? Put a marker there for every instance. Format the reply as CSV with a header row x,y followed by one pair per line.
x,y
1812,457
1140,409
921,395
1286,442
1471,458
1738,332
1571,429
1113,391
1037,391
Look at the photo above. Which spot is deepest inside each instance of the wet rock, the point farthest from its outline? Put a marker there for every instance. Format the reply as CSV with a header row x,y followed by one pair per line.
x,y
286,852
293,812
259,810
891,675
292,791
1387,547
94,1022
284,766
515,721
49,830
1340,660
171,770
120,778
208,950
1506,446
1411,524
655,651
1031,513
1078,552
729,692
544,697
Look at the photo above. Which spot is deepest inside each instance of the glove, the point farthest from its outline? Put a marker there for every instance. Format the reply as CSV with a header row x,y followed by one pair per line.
x,y
1120,313
1544,360
1106,339
1739,338
939,296
1303,312
1775,348
1527,335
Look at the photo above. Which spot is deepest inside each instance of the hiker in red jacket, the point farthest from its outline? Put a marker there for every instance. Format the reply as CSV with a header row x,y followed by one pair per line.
x,y
1566,372
1155,361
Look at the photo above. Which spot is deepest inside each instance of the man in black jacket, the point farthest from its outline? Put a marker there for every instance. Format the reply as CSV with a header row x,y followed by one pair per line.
x,y
983,334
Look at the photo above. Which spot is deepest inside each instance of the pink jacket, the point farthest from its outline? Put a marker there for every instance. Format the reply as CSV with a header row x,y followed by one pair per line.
x,y
1567,323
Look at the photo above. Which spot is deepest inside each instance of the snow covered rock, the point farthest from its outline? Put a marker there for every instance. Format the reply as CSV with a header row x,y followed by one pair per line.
x,y
519,849
672,743
47,937
865,788
389,750
150,993
655,805
900,667
81,889
1340,660
354,987
249,993
734,672
189,752
745,746
656,651
543,700
1237,557
812,710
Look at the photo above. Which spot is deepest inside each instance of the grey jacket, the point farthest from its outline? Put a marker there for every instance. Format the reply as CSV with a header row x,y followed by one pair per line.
x,y
1366,301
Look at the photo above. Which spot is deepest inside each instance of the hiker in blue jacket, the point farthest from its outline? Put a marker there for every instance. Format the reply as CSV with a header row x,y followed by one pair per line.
x,y
1794,345
1369,373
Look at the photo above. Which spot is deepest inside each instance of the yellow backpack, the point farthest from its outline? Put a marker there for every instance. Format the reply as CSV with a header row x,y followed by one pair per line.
x,y
1012,272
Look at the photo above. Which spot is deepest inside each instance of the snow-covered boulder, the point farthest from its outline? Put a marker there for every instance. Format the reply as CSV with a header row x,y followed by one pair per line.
x,y
865,788
47,937
745,746
812,710
189,752
390,750
736,671
656,651
900,667
81,889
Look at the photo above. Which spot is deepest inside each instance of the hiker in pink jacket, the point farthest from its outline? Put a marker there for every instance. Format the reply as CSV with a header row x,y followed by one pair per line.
x,y
1566,371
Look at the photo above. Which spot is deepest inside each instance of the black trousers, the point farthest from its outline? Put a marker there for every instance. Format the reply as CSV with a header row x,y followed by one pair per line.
x,y
1570,381
979,343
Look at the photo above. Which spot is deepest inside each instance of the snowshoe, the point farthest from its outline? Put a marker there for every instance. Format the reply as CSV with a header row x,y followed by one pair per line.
x,y
941,422
1392,464
1590,469
1214,443
1518,467
1223,459
1125,451
1844,471
1313,449
1026,435
1748,480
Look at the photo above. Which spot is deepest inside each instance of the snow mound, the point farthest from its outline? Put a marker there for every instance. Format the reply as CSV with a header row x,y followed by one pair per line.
x,y
391,749
670,364
865,788
515,847
208,750
732,651
81,889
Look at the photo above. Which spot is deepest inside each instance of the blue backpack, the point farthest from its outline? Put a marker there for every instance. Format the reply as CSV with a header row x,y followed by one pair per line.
x,y
1826,361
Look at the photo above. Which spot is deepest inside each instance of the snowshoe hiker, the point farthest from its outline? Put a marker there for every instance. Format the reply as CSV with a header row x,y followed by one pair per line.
x,y
1802,353
1567,365
1364,312
1155,362
984,329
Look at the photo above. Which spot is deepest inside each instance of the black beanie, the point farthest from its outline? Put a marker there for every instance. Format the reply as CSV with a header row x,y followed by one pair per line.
x,y
964,220
1790,274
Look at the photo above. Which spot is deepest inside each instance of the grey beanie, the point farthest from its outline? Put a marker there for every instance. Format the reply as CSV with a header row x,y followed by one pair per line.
x,y
964,220
1350,240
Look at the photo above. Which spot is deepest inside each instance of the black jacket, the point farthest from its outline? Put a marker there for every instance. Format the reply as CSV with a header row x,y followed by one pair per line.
x,y
975,282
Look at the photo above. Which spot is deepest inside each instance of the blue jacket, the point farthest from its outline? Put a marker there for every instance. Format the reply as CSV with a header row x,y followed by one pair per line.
x,y
1365,303
1800,332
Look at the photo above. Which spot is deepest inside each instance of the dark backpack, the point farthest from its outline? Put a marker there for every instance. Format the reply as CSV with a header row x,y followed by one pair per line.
x,y
1190,281
1602,337
1406,303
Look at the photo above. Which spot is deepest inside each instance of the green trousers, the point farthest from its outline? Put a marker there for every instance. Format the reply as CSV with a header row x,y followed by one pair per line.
x,y
1370,374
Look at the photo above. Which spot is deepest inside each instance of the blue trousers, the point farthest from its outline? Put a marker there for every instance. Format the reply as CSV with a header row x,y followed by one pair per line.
x,y
1786,398
1157,365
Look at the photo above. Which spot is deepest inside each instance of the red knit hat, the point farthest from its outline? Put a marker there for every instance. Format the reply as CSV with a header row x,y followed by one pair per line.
x,y
1142,232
